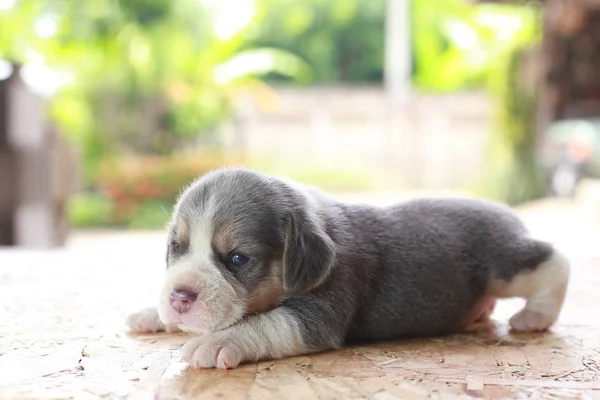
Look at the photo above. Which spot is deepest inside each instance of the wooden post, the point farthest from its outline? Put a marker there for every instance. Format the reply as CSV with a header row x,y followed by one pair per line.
x,y
7,167
36,170
398,51
397,77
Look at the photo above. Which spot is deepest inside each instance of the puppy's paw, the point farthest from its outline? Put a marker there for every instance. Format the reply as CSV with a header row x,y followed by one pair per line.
x,y
147,321
530,321
214,350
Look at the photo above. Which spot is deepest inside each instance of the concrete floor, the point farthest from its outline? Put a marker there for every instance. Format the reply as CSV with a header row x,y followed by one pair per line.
x,y
62,335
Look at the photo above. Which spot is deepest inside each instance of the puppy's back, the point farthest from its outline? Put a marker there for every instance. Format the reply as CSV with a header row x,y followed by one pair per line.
x,y
437,258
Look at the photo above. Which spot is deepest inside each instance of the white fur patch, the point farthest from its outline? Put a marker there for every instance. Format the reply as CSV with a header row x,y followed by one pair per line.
x,y
218,304
271,335
544,289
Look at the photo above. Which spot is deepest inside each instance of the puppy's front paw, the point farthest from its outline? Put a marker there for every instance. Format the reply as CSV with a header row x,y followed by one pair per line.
x,y
214,350
147,321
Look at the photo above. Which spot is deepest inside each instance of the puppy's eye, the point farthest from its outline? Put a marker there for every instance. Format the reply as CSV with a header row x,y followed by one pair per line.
x,y
174,247
238,259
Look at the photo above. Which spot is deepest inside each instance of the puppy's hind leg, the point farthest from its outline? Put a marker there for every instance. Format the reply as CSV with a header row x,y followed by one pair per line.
x,y
544,288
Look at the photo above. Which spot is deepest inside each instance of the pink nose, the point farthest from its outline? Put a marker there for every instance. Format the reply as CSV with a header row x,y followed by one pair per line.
x,y
182,300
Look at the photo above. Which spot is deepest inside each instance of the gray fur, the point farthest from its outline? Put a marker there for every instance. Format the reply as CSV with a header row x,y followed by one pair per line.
x,y
360,273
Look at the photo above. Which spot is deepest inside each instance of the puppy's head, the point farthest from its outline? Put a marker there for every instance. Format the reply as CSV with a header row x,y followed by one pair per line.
x,y
239,243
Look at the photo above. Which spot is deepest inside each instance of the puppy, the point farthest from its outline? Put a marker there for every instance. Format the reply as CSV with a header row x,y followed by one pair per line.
x,y
263,268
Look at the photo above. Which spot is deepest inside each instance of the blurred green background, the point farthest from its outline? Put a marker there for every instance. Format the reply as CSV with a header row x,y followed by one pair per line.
x,y
141,87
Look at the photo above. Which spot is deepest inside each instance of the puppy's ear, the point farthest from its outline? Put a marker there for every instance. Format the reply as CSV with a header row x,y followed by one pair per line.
x,y
309,254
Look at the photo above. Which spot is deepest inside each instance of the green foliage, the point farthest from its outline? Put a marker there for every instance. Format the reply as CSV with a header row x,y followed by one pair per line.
x,y
514,171
459,45
456,44
152,76
132,181
89,210
139,192
341,40
144,71
150,215
17,30
335,179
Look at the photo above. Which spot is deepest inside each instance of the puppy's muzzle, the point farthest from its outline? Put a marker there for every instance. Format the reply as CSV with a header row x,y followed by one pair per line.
x,y
182,300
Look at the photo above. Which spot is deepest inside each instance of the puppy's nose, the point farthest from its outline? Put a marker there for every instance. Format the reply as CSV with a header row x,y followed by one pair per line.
x,y
182,299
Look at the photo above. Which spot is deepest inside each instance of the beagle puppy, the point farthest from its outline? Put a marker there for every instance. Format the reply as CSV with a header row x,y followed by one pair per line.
x,y
259,267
